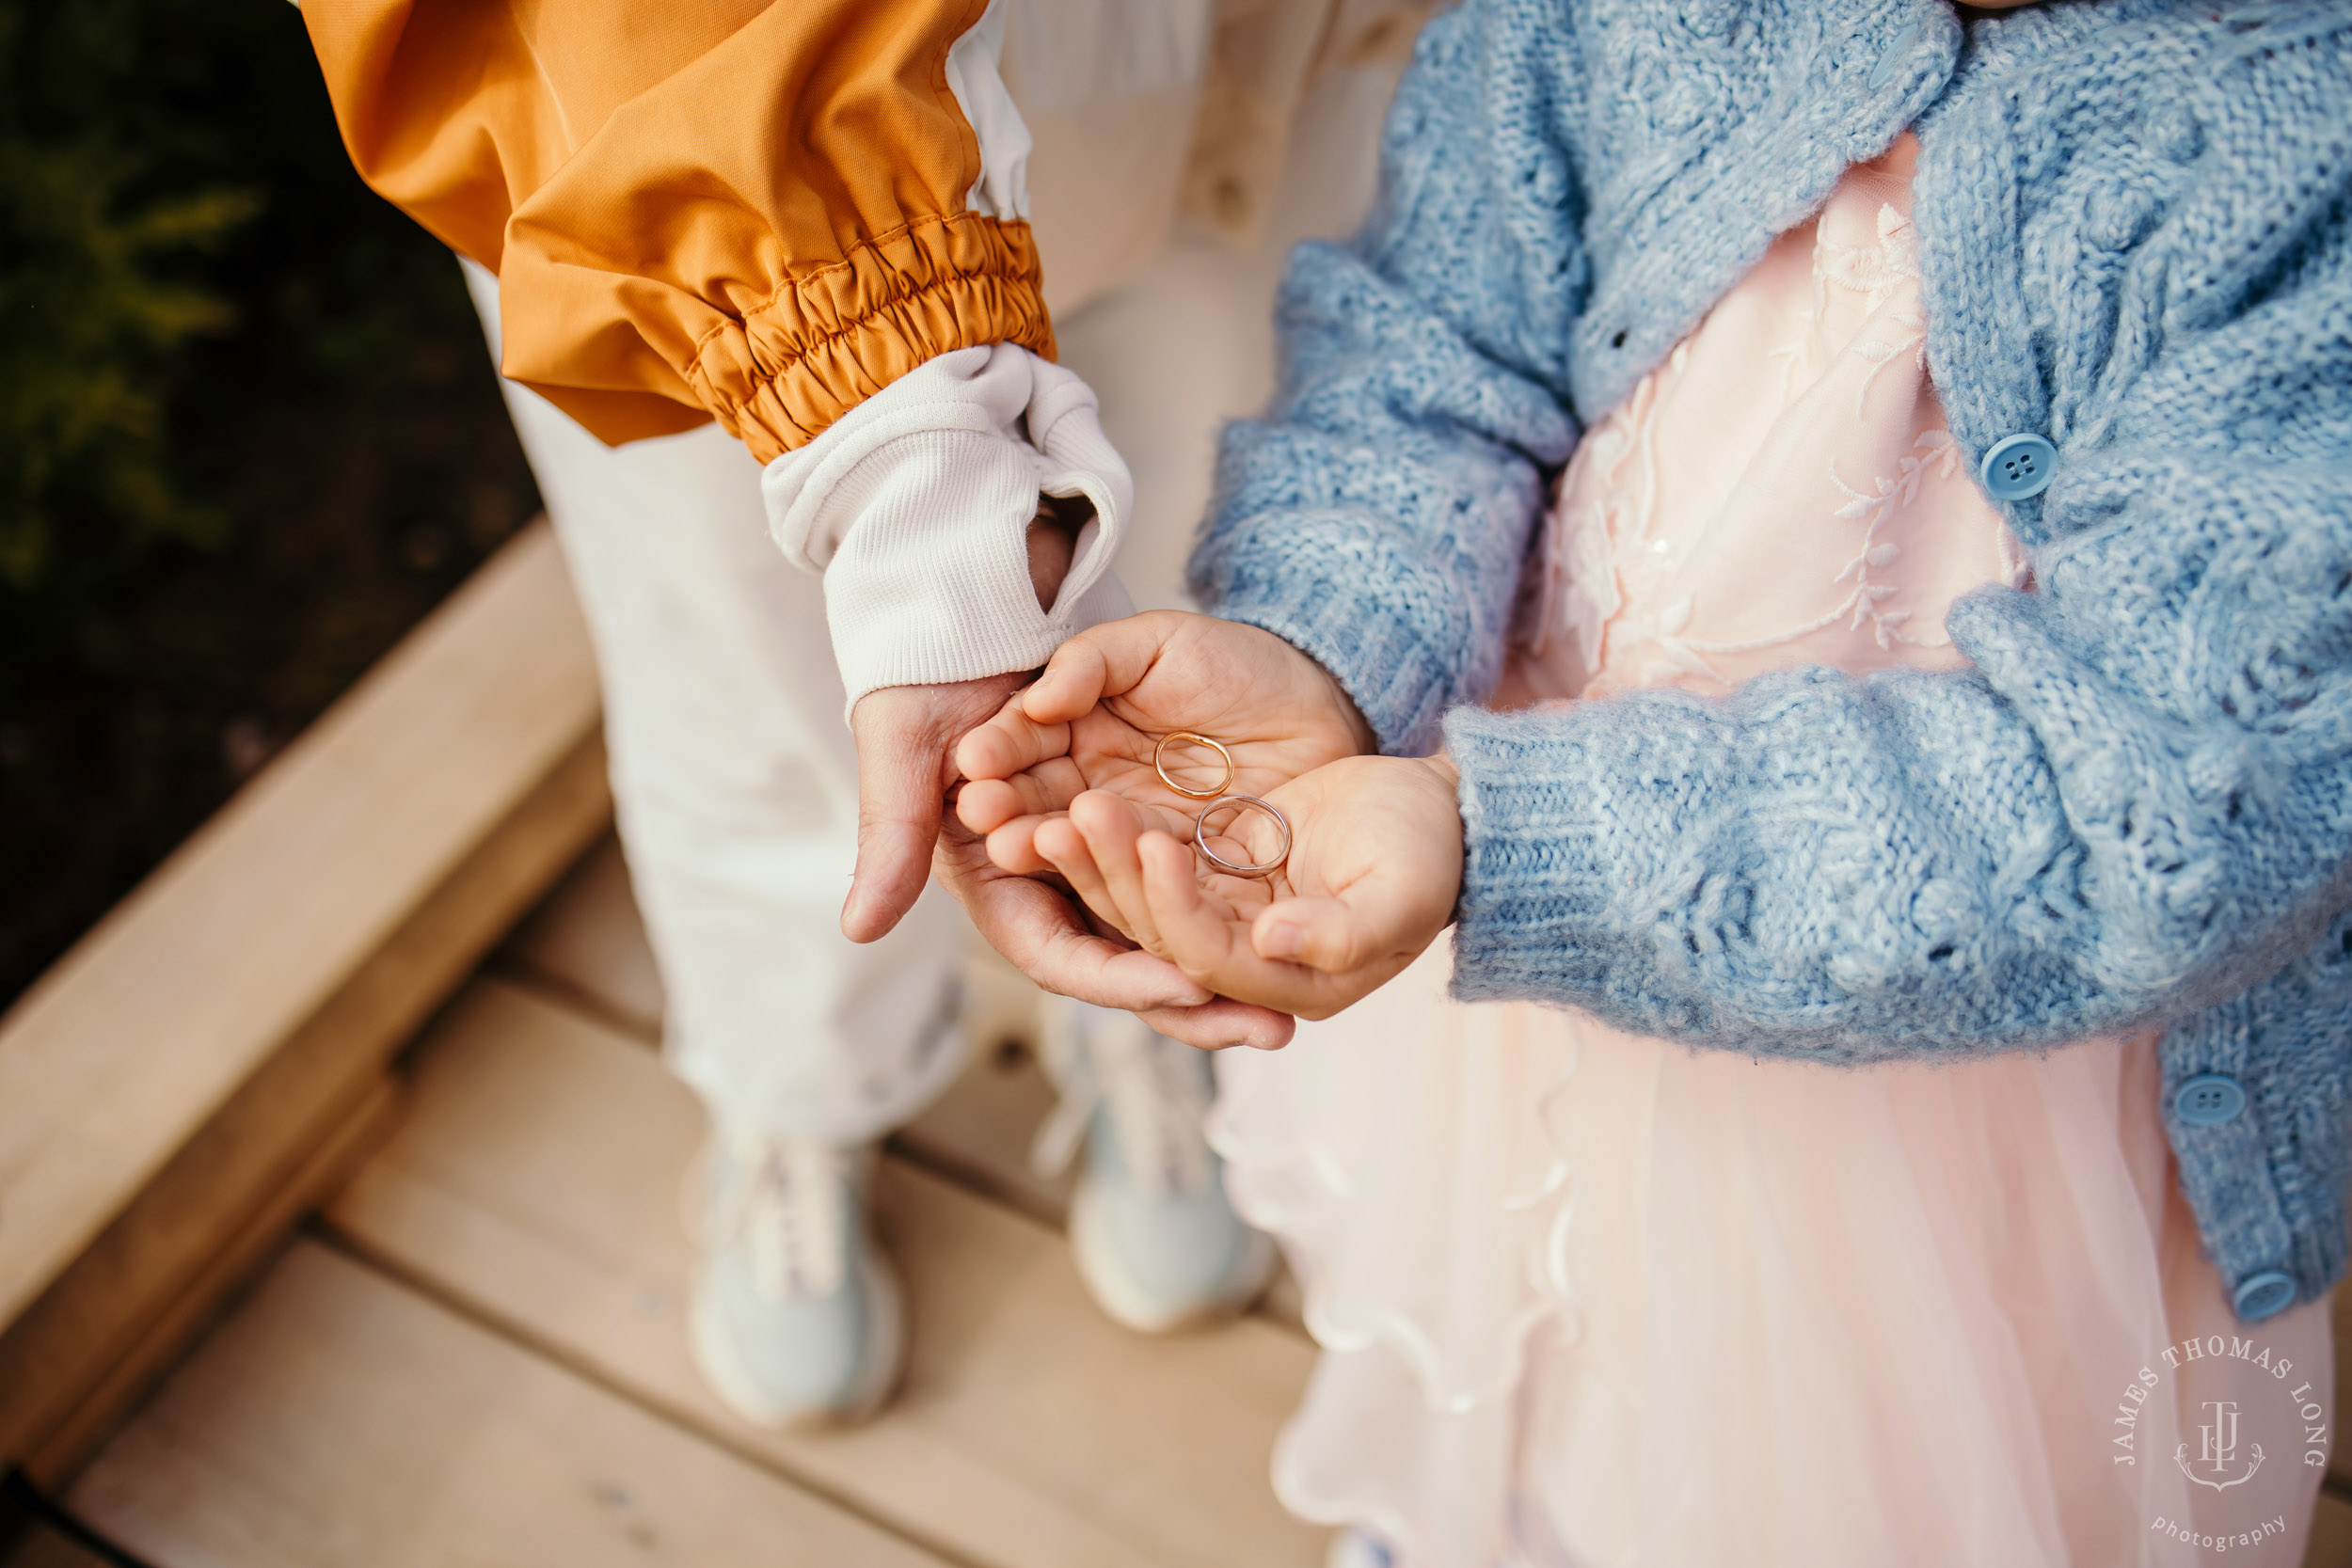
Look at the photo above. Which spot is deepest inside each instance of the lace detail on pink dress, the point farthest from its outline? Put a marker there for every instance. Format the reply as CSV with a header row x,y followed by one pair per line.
x,y
1591,1298
1781,491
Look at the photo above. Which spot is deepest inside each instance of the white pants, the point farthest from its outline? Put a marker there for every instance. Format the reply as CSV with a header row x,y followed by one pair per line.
x,y
735,786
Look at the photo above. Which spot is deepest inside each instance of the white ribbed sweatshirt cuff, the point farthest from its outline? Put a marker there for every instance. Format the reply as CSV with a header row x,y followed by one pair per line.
x,y
917,505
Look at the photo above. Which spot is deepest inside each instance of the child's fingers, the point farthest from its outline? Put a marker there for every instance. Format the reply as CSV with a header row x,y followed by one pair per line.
x,y
1101,662
1011,743
1035,926
1013,846
1203,939
1111,826
984,805
1064,849
1217,1024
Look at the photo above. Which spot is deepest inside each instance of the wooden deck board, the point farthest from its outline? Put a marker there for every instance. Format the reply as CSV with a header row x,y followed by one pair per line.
x,y
536,1182
237,938
2330,1545
338,1418
161,1087
240,1256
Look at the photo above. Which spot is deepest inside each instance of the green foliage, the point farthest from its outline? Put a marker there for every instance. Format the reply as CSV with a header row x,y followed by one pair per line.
x,y
92,330
249,433
95,314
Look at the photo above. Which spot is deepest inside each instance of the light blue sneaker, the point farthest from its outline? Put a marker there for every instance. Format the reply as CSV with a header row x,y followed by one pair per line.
x,y
1155,1241
796,1319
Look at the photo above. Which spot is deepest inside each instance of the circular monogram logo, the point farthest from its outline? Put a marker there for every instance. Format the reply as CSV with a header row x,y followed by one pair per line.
x,y
2245,1432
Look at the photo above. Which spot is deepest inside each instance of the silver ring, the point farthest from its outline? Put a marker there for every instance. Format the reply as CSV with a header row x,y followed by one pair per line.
x,y
1200,836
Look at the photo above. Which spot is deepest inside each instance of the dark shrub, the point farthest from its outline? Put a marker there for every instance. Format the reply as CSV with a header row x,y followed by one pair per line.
x,y
249,433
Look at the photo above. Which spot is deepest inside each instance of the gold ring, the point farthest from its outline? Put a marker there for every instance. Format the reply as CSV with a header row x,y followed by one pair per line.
x,y
1201,837
1159,765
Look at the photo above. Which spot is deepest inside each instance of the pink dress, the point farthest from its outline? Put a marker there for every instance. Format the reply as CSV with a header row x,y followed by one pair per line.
x,y
1588,1298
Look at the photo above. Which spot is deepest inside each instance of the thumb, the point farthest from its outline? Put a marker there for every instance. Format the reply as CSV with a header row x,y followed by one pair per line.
x,y
1074,679
900,792
1101,661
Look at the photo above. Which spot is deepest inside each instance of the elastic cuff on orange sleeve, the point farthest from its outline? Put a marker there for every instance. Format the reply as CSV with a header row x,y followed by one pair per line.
x,y
830,340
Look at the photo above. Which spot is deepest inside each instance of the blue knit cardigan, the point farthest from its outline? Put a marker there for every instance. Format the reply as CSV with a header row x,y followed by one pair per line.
x,y
2134,220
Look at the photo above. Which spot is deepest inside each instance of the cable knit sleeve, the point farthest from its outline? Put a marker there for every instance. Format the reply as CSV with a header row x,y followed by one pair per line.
x,y
2137,804
1378,514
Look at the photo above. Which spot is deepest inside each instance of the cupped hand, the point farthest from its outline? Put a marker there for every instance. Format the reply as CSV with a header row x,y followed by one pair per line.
x,y
1093,719
1374,870
1049,937
905,774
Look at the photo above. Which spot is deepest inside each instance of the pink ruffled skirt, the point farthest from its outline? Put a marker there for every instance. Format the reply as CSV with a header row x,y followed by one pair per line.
x,y
1588,1298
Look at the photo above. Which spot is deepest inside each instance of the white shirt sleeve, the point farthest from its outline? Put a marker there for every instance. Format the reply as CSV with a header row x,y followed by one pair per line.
x,y
916,506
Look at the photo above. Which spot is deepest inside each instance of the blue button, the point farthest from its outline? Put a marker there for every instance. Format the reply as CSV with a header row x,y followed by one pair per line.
x,y
2208,1099
1884,71
2017,467
2265,1296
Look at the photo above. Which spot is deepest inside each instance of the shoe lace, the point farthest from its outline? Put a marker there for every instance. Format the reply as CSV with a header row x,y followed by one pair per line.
x,y
783,1201
1154,1090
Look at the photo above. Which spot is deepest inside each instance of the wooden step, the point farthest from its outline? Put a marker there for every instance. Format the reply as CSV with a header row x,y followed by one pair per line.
x,y
340,1420
234,1258
537,1184
167,1082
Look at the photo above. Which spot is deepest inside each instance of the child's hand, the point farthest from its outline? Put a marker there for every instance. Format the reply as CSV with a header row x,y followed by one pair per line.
x,y
1092,721
1375,867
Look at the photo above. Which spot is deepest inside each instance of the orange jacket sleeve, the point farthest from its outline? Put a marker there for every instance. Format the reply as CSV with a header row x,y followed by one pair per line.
x,y
696,208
